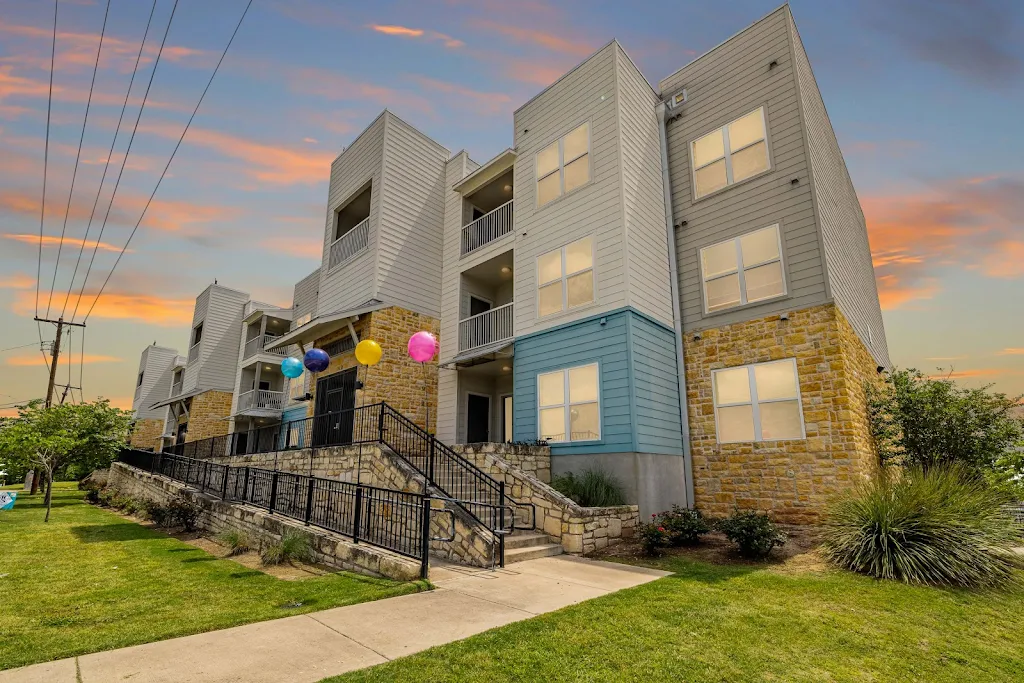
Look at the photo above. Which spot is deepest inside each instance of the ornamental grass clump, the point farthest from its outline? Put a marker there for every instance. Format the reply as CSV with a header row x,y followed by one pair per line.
x,y
590,488
942,526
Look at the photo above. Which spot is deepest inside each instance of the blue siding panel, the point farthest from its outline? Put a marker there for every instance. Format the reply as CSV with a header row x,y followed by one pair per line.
x,y
656,392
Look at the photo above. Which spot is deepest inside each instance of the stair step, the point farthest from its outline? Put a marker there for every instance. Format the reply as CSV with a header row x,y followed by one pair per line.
x,y
526,539
532,552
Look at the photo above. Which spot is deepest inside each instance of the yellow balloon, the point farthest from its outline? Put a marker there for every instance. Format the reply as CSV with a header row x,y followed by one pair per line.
x,y
368,352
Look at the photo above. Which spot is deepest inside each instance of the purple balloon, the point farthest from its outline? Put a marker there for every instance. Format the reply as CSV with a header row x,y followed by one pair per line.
x,y
422,346
316,360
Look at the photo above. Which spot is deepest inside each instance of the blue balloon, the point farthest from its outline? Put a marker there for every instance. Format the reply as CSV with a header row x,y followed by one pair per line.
x,y
316,360
291,367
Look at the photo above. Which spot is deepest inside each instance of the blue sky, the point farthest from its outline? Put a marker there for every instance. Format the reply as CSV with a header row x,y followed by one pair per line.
x,y
925,98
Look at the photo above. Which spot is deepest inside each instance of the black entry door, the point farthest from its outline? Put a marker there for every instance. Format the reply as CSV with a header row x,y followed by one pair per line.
x,y
334,411
478,419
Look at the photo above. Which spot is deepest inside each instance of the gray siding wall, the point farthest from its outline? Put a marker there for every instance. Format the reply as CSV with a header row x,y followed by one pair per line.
x,y
354,282
588,93
411,219
155,364
222,339
305,295
723,85
643,194
851,274
190,379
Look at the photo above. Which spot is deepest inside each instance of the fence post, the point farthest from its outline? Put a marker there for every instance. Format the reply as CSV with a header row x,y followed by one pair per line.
x,y
273,491
501,522
309,501
188,472
431,452
424,536
380,424
245,485
357,518
224,483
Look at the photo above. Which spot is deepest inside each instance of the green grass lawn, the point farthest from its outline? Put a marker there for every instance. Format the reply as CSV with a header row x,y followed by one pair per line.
x,y
728,623
90,580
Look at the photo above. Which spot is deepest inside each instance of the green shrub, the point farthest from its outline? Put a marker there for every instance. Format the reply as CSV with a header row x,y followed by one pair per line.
x,y
92,495
184,512
653,537
754,534
106,496
590,488
132,506
685,526
158,513
238,542
293,546
941,526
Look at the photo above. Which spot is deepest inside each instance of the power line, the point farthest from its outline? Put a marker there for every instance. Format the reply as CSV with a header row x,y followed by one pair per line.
x,y
78,156
131,139
46,158
12,348
81,368
173,152
106,165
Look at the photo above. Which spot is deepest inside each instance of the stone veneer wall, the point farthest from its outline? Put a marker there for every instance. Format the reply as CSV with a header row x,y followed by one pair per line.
x,y
328,548
207,415
532,460
146,434
793,480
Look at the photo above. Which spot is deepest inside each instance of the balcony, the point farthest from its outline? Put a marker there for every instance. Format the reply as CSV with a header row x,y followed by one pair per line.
x,y
261,399
176,388
486,328
193,353
487,228
349,244
258,344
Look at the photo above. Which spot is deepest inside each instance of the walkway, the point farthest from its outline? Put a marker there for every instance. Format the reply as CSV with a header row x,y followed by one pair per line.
x,y
313,646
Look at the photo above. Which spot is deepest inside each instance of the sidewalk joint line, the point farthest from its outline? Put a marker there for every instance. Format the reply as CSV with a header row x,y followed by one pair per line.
x,y
348,637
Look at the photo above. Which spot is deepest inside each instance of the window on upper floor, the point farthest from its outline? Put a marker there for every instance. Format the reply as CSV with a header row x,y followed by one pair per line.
x,y
731,154
140,380
564,165
569,404
743,270
759,402
565,277
197,334
302,320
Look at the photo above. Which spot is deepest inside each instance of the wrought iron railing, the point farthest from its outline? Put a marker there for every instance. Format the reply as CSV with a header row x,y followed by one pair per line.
x,y
487,228
261,399
486,328
349,244
398,521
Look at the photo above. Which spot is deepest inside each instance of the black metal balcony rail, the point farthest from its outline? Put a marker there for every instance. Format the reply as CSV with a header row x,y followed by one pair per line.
x,y
398,521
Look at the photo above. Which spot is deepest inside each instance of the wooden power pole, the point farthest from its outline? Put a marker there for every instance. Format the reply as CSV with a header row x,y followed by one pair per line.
x,y
61,324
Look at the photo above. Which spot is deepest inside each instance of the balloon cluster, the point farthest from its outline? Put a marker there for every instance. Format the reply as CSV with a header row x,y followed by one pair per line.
x,y
422,348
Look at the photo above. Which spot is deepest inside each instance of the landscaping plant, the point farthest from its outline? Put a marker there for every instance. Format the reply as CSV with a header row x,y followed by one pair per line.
x,y
238,542
653,537
184,512
590,488
754,533
292,547
941,525
158,513
685,526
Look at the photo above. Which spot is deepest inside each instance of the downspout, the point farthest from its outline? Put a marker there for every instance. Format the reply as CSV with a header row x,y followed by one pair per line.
x,y
677,323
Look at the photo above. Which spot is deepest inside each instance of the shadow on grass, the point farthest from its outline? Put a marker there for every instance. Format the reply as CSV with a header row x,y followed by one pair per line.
x,y
200,559
245,575
104,533
183,550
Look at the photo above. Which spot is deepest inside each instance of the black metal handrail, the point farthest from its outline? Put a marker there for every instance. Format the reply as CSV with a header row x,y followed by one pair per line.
x,y
398,521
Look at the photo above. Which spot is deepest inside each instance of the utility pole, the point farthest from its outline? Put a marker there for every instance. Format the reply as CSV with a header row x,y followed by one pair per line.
x,y
60,323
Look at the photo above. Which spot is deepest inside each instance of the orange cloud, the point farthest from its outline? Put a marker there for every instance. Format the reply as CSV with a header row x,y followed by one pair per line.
x,y
18,281
893,294
1005,261
18,86
1012,352
54,241
293,246
332,85
37,359
485,103
114,305
393,30
530,36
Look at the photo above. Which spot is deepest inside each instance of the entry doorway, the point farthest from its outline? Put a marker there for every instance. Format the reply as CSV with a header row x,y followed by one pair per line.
x,y
478,305
334,410
478,418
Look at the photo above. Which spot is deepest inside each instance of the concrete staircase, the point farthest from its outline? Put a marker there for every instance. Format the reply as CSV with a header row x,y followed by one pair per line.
x,y
529,545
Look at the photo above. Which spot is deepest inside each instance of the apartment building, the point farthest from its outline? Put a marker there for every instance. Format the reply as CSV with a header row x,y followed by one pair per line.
x,y
153,383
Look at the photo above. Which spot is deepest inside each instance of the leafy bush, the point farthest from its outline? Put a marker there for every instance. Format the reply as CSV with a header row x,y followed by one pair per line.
x,y
941,526
107,496
238,542
755,534
292,546
132,506
685,526
158,513
92,495
653,537
184,512
590,488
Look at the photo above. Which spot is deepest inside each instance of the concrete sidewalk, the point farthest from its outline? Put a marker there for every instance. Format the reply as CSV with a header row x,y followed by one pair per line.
x,y
313,646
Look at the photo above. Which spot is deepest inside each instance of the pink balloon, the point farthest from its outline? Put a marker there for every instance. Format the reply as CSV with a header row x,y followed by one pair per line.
x,y
422,346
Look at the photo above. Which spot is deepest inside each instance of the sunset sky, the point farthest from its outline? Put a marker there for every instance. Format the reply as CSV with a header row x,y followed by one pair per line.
x,y
926,99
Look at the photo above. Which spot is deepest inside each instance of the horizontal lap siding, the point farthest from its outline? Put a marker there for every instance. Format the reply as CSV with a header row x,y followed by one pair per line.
x,y
723,85
222,338
191,375
411,219
847,252
586,94
655,387
585,342
155,365
304,297
354,282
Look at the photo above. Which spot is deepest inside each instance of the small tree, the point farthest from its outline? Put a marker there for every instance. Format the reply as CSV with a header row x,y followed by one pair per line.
x,y
924,421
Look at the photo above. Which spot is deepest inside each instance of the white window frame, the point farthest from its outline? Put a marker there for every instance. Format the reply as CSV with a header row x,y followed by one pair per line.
x,y
740,271
724,130
755,403
562,163
567,404
565,277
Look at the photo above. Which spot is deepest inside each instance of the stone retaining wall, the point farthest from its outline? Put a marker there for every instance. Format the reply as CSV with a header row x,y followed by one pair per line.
x,y
328,548
532,460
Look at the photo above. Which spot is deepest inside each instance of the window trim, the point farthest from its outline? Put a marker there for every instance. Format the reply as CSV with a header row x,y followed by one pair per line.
x,y
740,269
562,163
567,404
724,130
755,402
566,308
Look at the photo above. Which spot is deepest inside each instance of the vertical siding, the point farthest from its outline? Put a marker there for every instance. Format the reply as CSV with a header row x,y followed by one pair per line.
x,y
155,364
851,274
655,387
222,334
411,219
587,93
355,282
643,196
580,343
723,85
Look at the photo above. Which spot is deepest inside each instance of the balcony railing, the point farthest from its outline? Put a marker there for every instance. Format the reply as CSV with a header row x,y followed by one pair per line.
x,y
176,388
258,344
261,399
487,228
349,244
193,353
486,328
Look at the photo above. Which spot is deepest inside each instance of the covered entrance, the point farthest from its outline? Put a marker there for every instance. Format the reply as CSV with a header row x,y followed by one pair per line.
x,y
334,410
